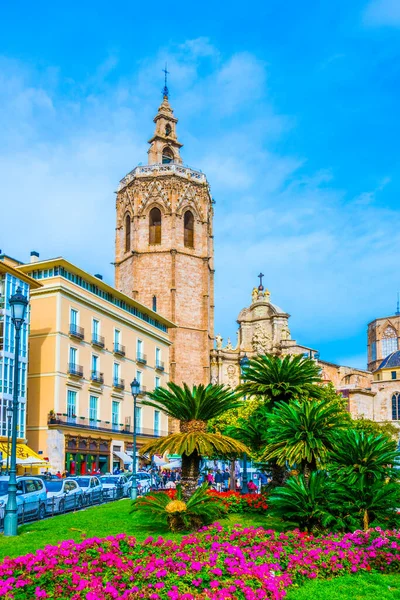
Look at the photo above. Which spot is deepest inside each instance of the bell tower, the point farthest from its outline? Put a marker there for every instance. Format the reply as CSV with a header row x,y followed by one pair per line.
x,y
164,247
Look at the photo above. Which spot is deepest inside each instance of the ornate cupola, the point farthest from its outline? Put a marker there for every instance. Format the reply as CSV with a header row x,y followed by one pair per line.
x,y
164,145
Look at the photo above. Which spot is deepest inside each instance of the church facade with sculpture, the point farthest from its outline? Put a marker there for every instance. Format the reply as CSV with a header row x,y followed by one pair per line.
x,y
164,258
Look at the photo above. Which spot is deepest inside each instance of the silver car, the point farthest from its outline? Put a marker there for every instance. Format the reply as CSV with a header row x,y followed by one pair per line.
x,y
143,483
114,486
31,497
91,487
62,495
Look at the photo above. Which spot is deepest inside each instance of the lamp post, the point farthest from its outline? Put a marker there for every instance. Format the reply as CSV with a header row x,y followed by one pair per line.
x,y
18,303
9,417
135,388
244,361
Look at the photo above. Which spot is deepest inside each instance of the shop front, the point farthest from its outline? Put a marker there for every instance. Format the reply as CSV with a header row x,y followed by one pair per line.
x,y
86,454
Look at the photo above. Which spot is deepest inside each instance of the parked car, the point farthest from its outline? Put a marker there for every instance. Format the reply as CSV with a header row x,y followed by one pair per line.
x,y
114,486
31,497
91,487
143,482
63,494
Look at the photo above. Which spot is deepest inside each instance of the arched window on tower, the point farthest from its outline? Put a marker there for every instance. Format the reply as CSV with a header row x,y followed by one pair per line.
x,y
396,406
155,226
188,229
155,303
127,233
389,341
167,155
168,129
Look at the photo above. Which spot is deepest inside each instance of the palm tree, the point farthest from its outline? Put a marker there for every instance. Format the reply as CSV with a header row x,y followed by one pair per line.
x,y
193,408
276,379
252,431
362,459
302,433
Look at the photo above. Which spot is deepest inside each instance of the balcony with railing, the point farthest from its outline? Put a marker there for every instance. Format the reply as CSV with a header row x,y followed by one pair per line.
x,y
119,349
76,331
142,391
75,370
60,419
118,383
98,340
160,366
141,358
97,377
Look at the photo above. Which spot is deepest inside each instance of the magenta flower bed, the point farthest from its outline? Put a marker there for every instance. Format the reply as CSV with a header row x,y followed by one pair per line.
x,y
214,563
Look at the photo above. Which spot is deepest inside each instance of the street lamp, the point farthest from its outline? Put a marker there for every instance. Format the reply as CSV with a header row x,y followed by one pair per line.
x,y
244,361
9,412
135,388
18,303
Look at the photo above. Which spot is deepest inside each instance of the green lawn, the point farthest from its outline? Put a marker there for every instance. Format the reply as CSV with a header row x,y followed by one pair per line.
x,y
99,521
113,518
368,586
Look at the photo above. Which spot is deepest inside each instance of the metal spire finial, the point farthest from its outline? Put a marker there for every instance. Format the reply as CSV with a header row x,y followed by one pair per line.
x,y
165,90
398,304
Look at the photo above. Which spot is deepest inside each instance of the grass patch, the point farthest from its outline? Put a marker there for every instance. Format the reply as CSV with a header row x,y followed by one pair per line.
x,y
101,521
366,586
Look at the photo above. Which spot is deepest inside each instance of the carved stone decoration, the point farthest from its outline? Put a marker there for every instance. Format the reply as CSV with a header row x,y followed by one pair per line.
x,y
229,345
231,373
189,198
261,341
218,340
285,333
154,190
254,295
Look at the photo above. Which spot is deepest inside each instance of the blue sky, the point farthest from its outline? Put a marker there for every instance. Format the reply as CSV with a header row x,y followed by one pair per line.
x,y
291,109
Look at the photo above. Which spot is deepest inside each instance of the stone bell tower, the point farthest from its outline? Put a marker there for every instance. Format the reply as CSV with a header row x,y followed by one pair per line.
x,y
164,247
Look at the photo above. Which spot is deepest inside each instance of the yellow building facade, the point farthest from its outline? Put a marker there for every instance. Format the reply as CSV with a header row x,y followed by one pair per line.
x,y
88,341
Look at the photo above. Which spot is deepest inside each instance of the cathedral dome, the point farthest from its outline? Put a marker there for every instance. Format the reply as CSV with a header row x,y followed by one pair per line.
x,y
393,360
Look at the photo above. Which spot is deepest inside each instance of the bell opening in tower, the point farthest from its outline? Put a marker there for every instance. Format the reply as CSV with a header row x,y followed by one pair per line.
x,y
167,156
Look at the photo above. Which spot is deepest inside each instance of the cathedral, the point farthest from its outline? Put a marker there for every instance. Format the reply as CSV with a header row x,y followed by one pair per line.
x,y
164,258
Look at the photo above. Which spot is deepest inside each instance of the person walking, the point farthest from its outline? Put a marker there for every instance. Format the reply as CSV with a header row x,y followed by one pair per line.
x,y
225,480
209,479
219,480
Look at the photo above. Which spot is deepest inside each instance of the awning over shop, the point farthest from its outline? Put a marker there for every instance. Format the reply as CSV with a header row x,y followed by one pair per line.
x,y
25,455
126,459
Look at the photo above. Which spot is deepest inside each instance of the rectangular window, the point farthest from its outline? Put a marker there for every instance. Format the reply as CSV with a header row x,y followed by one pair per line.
x,y
139,347
158,357
11,376
139,377
21,412
71,406
95,363
93,402
96,328
138,419
115,415
23,380
116,372
73,356
117,337
157,422
394,375
156,382
73,318
373,351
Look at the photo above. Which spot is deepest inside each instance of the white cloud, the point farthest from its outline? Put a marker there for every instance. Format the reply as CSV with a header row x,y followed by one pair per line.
x,y
62,155
382,13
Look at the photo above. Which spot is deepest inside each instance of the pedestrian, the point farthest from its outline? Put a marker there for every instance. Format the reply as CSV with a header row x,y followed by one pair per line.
x,y
218,480
225,480
210,479
251,486
58,474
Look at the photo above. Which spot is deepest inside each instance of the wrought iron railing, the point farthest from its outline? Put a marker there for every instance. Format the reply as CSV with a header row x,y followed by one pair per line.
x,y
97,377
141,358
119,384
87,423
98,340
76,370
160,365
119,349
76,331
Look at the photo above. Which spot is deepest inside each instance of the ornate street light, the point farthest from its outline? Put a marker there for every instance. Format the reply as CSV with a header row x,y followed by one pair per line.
x,y
135,388
244,361
18,303
9,412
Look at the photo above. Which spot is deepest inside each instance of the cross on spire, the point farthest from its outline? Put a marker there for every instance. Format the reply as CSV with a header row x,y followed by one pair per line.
x,y
165,90
260,276
398,304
